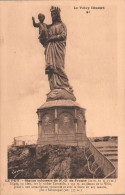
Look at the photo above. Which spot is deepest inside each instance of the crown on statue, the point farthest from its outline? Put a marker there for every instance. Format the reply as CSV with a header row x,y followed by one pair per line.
x,y
56,9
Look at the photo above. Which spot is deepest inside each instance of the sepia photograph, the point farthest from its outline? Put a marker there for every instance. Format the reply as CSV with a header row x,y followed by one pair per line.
x,y
62,104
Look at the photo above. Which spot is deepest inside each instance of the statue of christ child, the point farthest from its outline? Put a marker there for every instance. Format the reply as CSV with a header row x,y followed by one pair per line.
x,y
43,31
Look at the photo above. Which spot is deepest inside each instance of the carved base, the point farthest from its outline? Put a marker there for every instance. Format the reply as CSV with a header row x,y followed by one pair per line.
x,y
61,122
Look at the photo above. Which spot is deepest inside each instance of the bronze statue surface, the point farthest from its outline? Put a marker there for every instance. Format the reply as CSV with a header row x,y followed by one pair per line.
x,y
53,38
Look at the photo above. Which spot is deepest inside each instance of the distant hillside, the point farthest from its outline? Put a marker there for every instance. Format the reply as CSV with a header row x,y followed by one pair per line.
x,y
32,139
105,138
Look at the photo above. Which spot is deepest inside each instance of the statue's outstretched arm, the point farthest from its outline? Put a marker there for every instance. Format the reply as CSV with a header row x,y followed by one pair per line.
x,y
34,23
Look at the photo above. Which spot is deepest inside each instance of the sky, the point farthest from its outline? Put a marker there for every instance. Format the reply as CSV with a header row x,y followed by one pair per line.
x,y
91,65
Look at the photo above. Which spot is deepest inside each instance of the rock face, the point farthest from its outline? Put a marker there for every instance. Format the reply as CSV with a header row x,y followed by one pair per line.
x,y
51,161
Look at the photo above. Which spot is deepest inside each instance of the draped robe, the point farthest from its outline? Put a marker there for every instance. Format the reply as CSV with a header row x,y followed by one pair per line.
x,y
55,57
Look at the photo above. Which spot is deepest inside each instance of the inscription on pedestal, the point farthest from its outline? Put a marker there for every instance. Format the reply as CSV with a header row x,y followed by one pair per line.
x,y
47,124
66,123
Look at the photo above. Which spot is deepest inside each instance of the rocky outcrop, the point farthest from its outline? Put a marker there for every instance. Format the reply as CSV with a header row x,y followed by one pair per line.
x,y
50,161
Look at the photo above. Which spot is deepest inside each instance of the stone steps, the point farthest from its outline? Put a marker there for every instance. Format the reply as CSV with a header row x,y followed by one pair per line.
x,y
109,150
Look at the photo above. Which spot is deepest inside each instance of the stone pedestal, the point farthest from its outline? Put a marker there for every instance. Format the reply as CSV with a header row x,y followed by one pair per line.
x,y
61,122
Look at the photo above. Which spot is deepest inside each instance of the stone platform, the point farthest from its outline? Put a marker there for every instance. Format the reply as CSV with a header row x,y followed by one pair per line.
x,y
61,122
